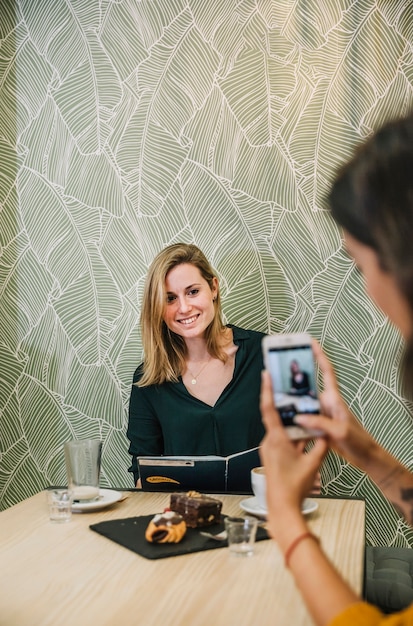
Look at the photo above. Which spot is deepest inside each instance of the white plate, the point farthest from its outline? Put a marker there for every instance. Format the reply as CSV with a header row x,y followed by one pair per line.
x,y
250,505
106,498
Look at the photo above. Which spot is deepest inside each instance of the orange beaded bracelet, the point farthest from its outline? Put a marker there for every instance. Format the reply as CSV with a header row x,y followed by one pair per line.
x,y
295,543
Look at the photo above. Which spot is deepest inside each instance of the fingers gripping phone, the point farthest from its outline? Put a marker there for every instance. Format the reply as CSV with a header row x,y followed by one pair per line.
x,y
290,361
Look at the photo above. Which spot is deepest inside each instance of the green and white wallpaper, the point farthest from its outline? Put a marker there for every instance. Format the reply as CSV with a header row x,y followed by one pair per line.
x,y
127,125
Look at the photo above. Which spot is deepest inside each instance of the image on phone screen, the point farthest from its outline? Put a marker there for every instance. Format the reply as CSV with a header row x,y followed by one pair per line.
x,y
293,380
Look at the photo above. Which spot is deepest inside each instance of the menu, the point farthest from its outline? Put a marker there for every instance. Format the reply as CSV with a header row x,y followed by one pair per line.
x,y
212,474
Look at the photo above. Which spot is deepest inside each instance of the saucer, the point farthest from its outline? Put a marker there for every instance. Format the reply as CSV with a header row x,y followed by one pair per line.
x,y
106,498
250,505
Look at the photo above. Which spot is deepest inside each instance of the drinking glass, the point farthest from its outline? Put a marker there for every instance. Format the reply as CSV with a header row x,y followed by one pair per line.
x,y
60,504
241,533
83,459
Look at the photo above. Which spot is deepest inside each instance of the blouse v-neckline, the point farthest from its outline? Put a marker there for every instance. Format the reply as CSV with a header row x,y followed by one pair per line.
x,y
212,406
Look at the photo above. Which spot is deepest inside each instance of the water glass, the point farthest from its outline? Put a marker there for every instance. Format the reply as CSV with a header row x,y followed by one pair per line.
x,y
60,504
241,533
83,459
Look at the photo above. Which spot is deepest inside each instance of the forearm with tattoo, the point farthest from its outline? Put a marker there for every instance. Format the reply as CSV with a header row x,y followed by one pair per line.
x,y
388,481
400,496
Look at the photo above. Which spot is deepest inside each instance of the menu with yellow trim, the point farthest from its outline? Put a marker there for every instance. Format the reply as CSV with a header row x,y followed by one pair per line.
x,y
213,474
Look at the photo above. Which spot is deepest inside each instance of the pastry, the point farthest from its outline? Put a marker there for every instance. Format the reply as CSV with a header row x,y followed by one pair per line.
x,y
167,527
196,509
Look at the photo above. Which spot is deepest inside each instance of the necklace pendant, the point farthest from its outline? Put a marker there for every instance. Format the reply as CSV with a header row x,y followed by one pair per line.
x,y
193,381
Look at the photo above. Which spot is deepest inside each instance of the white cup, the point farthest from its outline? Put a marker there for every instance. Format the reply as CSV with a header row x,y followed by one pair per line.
x,y
83,459
259,486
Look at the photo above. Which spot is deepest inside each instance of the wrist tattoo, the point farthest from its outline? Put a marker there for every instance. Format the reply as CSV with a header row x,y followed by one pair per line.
x,y
389,479
404,506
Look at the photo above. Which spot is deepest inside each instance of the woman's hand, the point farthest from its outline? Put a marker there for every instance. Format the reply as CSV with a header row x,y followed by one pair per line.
x,y
342,430
316,486
290,473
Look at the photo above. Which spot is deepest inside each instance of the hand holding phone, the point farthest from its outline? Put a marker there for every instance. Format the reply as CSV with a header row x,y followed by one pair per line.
x,y
290,361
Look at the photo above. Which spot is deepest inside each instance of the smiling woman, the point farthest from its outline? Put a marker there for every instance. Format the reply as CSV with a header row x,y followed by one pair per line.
x,y
197,391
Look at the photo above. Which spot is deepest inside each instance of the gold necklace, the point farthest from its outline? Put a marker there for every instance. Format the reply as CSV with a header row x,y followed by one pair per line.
x,y
194,378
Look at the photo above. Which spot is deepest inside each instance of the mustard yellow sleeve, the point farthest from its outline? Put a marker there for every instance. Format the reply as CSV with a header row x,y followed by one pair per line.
x,y
363,614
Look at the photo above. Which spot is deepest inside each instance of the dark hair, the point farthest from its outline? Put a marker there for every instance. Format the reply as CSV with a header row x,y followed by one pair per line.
x,y
372,198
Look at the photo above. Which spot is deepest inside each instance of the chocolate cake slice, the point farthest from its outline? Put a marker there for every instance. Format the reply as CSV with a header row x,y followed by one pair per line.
x,y
196,509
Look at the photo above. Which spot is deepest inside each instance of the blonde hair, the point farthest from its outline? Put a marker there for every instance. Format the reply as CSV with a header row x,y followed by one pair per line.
x,y
165,352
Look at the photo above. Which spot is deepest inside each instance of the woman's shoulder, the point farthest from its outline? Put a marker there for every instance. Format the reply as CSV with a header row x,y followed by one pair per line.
x,y
153,387
138,373
240,334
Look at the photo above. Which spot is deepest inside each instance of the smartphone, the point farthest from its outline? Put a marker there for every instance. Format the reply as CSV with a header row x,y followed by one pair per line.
x,y
290,361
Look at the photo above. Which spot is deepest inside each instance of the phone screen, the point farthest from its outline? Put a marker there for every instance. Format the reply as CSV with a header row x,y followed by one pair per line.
x,y
293,380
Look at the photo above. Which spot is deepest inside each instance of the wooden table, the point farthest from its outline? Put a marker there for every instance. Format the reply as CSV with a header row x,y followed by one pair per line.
x,y
66,574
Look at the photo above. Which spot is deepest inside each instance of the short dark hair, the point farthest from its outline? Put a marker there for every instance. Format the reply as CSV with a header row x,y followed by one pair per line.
x,y
372,199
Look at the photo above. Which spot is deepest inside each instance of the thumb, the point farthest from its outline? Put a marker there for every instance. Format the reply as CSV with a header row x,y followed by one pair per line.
x,y
318,451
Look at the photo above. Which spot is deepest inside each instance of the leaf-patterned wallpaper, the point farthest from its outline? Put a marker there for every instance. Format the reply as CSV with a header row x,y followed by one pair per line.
x,y
126,125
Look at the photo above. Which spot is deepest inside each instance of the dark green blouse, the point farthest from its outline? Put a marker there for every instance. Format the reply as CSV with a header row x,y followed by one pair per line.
x,y
166,419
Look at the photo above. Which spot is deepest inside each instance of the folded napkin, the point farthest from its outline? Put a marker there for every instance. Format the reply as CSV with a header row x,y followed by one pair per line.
x,y
130,533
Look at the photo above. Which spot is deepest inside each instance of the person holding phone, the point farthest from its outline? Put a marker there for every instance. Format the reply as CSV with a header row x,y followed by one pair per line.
x,y
197,390
372,200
